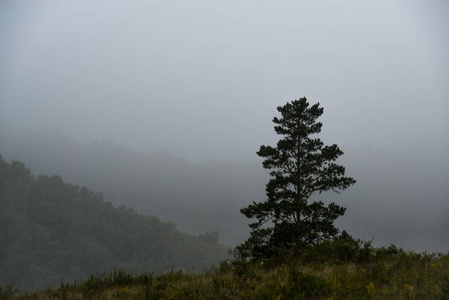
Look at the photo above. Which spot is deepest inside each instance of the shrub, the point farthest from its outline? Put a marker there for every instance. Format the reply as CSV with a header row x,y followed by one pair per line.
x,y
8,290
305,286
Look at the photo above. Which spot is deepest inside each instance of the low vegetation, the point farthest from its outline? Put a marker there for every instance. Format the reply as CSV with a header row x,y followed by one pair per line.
x,y
342,269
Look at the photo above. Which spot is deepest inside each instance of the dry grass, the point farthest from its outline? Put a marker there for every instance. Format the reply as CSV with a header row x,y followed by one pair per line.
x,y
394,276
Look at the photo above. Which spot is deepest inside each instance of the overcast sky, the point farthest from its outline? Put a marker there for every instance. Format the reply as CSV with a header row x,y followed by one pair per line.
x,y
202,79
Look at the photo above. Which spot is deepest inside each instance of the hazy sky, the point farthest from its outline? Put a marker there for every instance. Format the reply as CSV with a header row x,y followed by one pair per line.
x,y
202,79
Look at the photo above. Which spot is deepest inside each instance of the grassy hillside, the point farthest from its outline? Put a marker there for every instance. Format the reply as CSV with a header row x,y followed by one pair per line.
x,y
329,271
51,230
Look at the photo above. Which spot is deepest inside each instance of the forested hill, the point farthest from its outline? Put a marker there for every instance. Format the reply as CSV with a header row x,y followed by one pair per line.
x,y
51,230
196,197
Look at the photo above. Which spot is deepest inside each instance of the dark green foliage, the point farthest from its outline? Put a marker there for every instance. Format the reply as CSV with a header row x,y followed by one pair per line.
x,y
8,291
345,249
305,286
300,166
51,230
444,285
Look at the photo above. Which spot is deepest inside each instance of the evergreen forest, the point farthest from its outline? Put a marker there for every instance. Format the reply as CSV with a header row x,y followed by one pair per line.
x,y
53,232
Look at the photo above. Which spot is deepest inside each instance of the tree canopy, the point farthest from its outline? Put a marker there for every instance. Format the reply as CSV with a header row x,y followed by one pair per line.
x,y
52,231
300,165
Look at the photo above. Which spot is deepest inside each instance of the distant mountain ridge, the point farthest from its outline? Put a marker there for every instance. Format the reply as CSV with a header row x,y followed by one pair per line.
x,y
401,195
197,197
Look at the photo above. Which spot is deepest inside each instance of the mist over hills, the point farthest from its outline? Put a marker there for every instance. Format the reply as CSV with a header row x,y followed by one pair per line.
x,y
52,231
400,197
198,198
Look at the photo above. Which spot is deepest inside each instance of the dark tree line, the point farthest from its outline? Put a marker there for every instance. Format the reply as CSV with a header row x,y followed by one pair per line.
x,y
51,230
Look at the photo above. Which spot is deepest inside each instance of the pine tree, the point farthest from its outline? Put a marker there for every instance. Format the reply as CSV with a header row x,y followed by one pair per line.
x,y
300,166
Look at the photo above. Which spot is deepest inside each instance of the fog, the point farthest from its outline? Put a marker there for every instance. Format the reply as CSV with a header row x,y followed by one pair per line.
x,y
201,80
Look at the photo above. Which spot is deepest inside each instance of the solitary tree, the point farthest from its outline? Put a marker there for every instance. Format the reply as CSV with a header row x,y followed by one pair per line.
x,y
300,166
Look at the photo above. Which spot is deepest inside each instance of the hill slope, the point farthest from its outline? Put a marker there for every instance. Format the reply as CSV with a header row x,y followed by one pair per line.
x,y
51,230
196,197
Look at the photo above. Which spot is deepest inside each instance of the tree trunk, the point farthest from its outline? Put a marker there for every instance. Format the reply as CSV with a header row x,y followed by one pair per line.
x,y
298,236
